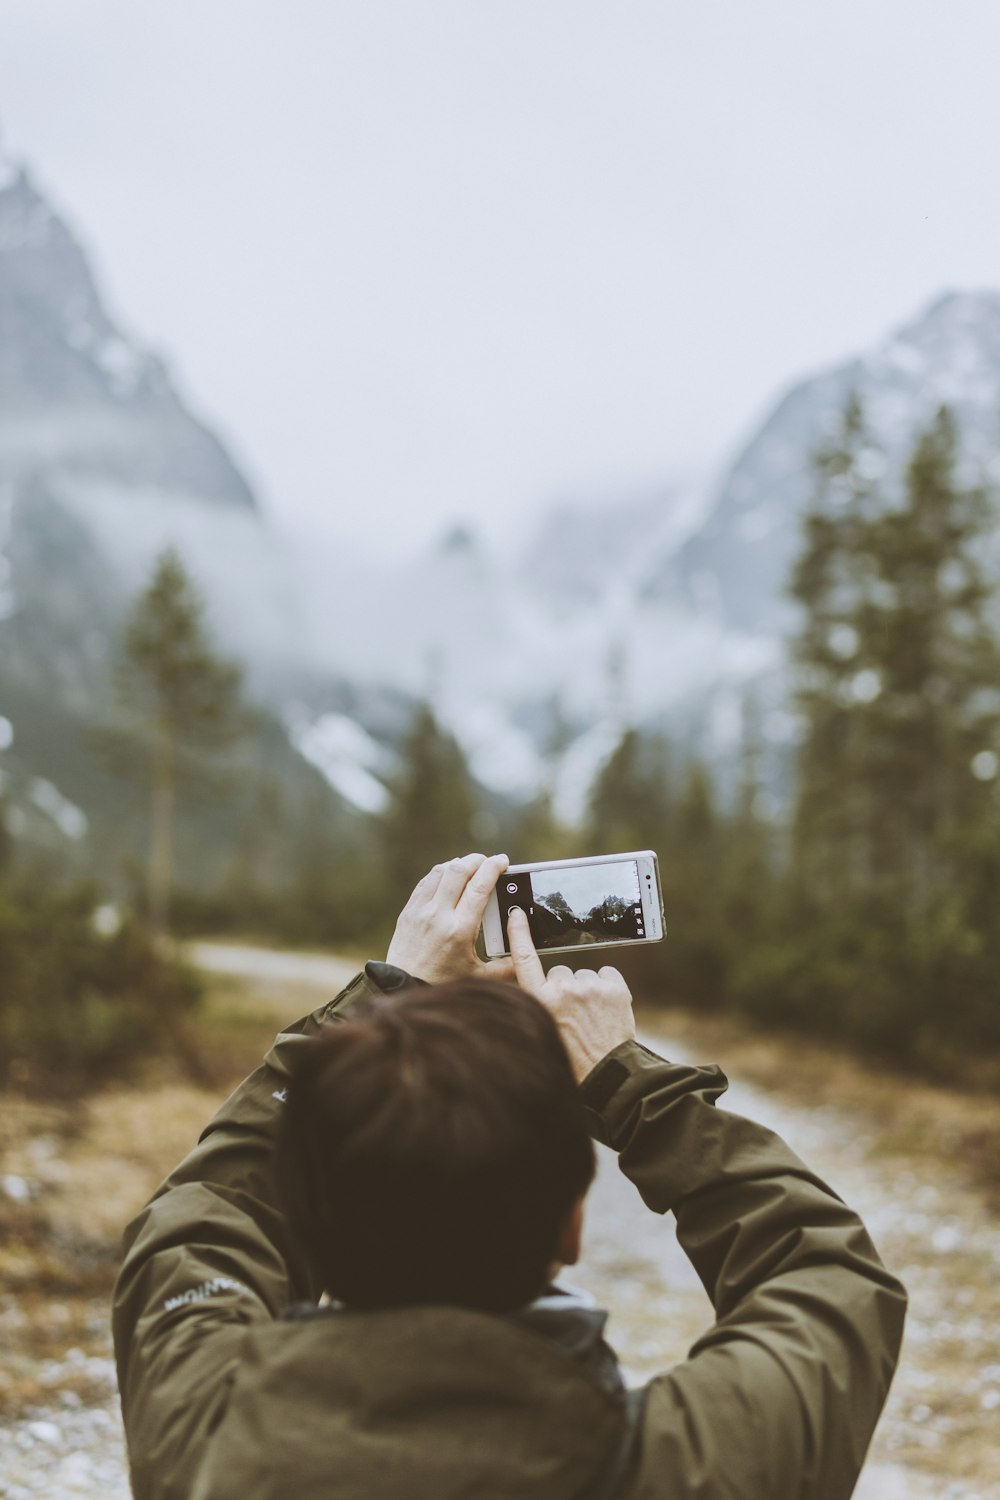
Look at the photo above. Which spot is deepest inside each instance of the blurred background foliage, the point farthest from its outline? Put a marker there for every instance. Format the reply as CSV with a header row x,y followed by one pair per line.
x,y
861,906
83,1000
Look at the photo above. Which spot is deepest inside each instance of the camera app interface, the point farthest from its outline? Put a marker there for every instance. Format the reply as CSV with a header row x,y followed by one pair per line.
x,y
577,904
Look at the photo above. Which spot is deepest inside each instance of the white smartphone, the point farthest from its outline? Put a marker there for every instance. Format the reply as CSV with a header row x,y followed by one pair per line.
x,y
601,901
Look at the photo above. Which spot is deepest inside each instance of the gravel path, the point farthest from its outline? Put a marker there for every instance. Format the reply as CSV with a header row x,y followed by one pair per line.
x,y
60,1453
937,1436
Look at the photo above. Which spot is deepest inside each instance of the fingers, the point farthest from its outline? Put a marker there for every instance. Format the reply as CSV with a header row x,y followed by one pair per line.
x,y
528,969
481,882
615,977
426,888
593,1012
455,876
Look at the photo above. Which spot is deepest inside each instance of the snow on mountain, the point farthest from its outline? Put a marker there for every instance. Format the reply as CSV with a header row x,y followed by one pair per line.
x,y
584,546
71,820
506,647
736,565
355,764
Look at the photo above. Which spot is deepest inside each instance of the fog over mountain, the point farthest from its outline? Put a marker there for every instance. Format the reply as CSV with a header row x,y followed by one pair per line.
x,y
669,609
92,419
737,563
662,608
102,465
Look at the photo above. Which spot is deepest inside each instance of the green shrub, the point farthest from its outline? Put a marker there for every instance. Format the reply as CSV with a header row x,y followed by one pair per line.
x,y
921,995
78,1006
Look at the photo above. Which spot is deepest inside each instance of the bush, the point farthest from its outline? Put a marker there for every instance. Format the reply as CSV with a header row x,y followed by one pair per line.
x,y
78,1006
919,995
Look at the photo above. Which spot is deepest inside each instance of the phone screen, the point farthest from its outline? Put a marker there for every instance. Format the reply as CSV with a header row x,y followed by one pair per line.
x,y
576,904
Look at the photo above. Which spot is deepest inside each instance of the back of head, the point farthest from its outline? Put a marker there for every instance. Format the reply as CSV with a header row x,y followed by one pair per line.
x,y
433,1149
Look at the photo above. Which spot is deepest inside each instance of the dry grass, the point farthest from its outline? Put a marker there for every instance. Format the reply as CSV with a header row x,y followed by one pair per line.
x,y
88,1166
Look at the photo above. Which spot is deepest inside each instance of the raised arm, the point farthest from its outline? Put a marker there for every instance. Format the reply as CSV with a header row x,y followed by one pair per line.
x,y
779,1398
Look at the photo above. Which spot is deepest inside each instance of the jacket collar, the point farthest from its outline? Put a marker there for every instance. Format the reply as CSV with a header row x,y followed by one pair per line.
x,y
571,1319
564,1316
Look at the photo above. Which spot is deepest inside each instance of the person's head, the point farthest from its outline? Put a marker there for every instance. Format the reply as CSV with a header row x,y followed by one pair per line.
x,y
434,1150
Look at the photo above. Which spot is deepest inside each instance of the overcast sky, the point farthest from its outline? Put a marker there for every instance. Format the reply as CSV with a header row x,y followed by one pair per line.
x,y
420,259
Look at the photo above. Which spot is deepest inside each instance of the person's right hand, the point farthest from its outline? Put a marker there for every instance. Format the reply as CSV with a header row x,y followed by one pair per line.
x,y
435,936
592,1010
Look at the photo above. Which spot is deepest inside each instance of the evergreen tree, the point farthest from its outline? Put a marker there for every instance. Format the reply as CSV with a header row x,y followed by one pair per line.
x,y
748,856
629,801
432,804
897,822
699,947
179,705
629,808
932,665
832,582
533,832
898,672
6,841
634,806
336,890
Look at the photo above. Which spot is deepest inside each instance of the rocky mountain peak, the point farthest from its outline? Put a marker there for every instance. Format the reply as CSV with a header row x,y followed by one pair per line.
x,y
50,298
948,355
78,394
958,314
738,563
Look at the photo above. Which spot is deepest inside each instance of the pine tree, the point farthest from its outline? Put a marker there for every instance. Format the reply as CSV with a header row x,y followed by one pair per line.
x,y
6,841
179,706
698,837
748,856
432,804
699,948
629,801
897,821
898,672
832,582
532,830
931,715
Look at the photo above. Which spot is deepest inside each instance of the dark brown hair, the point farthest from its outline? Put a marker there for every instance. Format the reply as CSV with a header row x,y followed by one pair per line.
x,y
433,1148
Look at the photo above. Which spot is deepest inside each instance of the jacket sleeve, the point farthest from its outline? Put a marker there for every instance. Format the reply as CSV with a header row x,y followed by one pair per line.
x,y
206,1259
778,1400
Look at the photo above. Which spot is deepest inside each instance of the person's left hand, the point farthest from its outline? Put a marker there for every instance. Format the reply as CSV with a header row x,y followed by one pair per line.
x,y
435,936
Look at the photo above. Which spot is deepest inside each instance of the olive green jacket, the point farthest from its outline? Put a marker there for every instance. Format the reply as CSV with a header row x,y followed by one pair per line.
x,y
222,1396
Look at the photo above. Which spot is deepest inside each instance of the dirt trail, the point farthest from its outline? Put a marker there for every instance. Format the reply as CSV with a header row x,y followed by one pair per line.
x,y
936,1439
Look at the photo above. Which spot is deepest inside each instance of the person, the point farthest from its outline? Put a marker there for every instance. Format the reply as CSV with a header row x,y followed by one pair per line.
x,y
420,1149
